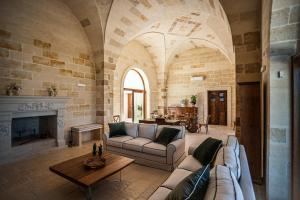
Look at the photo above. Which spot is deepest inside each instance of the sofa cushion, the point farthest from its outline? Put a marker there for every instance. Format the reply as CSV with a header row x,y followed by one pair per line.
x,y
147,131
193,186
190,163
155,149
136,144
228,157
207,150
223,185
175,178
117,129
132,129
160,193
167,135
180,134
118,141
233,142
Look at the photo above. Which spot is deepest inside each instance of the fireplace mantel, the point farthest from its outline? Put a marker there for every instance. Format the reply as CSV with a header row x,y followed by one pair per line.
x,y
27,106
31,99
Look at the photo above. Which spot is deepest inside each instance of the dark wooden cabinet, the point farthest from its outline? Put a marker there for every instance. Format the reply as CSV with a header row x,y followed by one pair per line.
x,y
181,112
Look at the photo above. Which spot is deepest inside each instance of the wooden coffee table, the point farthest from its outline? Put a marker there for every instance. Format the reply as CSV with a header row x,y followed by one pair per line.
x,y
75,171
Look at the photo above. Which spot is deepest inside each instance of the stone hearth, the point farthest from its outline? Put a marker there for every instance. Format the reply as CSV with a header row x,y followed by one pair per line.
x,y
18,107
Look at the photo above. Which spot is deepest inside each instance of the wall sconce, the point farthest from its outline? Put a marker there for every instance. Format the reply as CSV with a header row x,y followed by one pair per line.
x,y
280,74
81,85
198,78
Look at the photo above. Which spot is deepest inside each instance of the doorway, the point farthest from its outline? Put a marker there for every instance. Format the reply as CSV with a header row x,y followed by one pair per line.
x,y
134,97
250,122
217,107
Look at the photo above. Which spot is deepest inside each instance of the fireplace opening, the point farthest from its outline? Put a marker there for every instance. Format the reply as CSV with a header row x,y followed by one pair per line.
x,y
30,129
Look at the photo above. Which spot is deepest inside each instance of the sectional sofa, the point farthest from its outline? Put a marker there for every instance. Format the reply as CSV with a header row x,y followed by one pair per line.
x,y
139,144
227,190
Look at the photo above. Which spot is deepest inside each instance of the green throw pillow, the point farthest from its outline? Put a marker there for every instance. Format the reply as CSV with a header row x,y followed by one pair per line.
x,y
206,152
117,129
193,187
167,135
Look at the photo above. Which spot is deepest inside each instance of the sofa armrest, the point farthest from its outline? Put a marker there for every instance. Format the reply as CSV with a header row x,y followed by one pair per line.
x,y
245,179
175,150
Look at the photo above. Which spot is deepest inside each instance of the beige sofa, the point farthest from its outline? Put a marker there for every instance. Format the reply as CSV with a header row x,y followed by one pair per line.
x,y
190,165
139,144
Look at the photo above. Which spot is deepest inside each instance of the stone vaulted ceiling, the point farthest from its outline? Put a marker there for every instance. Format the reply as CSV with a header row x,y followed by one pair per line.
x,y
167,28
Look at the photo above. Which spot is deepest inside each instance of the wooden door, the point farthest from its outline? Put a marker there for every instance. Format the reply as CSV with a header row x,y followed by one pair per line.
x,y
296,127
250,122
129,106
217,107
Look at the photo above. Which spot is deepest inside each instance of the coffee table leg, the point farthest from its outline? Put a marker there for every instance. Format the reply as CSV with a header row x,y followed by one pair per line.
x,y
88,193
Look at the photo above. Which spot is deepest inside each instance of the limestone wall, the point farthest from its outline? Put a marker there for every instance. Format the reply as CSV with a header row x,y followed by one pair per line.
x,y
219,75
284,43
134,55
43,44
244,18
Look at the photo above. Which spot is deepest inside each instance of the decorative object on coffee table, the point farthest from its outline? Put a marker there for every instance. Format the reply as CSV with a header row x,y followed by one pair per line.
x,y
100,151
13,89
94,162
94,149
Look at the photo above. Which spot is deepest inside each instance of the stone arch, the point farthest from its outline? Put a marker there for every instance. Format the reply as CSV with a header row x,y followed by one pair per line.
x,y
93,17
129,20
134,56
218,73
148,88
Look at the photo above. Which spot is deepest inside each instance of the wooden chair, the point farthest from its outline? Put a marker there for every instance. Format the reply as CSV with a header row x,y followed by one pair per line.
x,y
116,118
205,124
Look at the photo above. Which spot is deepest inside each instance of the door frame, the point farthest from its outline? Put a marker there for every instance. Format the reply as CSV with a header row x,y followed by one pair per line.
x,y
263,145
144,101
231,98
295,172
147,88
225,91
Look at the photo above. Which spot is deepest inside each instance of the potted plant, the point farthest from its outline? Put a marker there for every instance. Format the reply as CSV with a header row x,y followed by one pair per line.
x,y
193,100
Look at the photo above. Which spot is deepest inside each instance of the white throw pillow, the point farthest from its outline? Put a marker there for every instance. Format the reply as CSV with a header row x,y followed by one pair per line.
x,y
229,158
233,142
223,185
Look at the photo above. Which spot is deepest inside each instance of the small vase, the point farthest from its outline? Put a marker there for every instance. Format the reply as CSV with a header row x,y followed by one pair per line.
x,y
100,151
94,149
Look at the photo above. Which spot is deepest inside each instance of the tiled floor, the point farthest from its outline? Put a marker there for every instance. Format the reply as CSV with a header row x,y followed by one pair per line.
x,y
31,178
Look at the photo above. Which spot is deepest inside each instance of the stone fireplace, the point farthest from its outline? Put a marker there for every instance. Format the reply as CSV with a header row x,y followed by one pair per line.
x,y
28,123
31,129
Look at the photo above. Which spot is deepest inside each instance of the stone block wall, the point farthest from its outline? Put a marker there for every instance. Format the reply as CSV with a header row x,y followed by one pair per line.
x,y
284,43
244,18
134,55
42,44
219,74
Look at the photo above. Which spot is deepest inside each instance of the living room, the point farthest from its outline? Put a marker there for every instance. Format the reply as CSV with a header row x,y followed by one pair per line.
x,y
75,71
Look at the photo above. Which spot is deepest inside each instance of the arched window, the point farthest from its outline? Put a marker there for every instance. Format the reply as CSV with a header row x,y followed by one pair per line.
x,y
133,80
134,96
